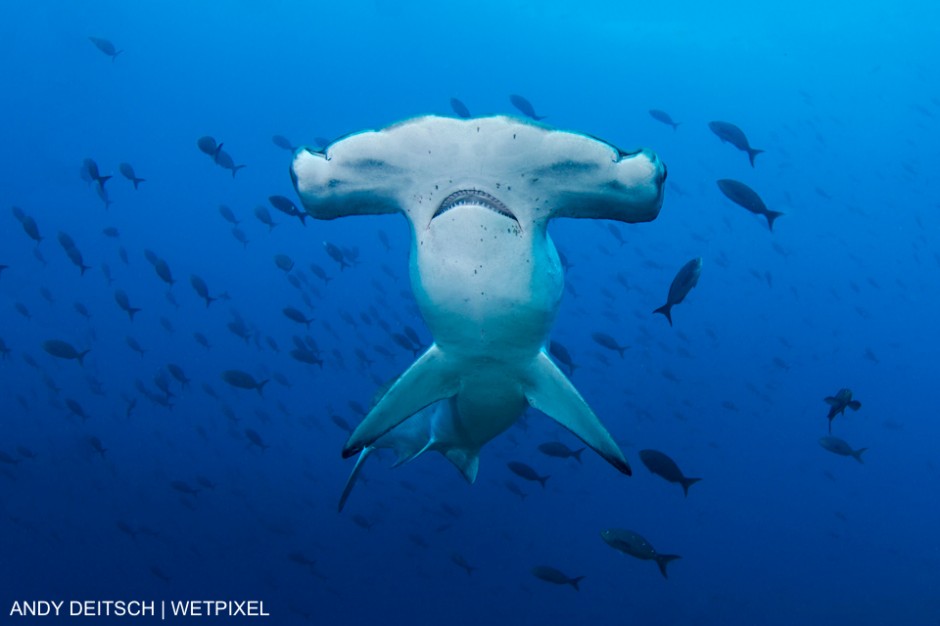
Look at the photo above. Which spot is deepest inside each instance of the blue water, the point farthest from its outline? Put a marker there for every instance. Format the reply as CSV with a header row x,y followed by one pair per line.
x,y
843,99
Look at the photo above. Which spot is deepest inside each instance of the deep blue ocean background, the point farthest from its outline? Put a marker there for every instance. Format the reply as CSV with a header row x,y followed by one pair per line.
x,y
842,96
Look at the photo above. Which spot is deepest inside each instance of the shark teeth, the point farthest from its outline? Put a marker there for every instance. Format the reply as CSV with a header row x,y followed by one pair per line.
x,y
474,197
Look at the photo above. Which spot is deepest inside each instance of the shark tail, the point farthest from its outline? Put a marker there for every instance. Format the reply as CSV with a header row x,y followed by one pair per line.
x,y
549,391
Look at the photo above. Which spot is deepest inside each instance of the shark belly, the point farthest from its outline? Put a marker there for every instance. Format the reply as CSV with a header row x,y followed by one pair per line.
x,y
488,289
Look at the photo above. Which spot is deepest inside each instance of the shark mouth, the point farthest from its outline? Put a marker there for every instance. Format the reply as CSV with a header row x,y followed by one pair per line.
x,y
474,197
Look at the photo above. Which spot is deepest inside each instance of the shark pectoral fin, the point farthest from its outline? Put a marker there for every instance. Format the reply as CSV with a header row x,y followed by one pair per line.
x,y
353,477
550,391
465,460
427,380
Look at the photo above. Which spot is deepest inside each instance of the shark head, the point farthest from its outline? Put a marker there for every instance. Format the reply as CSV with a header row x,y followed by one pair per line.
x,y
478,194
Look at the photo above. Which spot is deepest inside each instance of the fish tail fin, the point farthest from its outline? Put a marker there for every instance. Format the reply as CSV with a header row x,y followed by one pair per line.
x,y
81,357
115,55
131,312
662,560
429,379
577,454
666,310
857,455
855,405
620,351
82,269
574,582
688,482
771,216
751,153
210,300
236,168
548,390
137,181
101,180
675,125
303,217
260,387
542,480
353,477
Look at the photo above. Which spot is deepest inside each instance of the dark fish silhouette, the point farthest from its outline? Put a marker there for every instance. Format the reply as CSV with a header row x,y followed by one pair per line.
x,y
224,160
106,47
745,197
552,575
124,302
127,170
202,290
284,262
562,355
524,471
730,133
631,543
64,350
839,402
460,108
283,142
665,118
228,215
605,340
243,380
682,284
286,206
209,146
91,169
661,465
297,316
840,447
525,107
560,451
264,216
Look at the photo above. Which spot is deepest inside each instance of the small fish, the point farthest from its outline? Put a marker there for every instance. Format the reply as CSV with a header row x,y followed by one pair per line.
x,y
516,489
284,262
840,447
124,302
224,160
228,215
745,197
665,118
64,350
243,380
686,278
240,236
296,316
184,487
127,170
202,290
134,345
255,439
524,471
560,451
661,465
285,205
264,216
730,133
76,409
177,372
202,340
459,561
208,145
106,47
631,543
320,273
460,108
163,271
336,254
839,402
283,142
525,107
562,355
606,341
91,169
97,446
552,575
111,232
